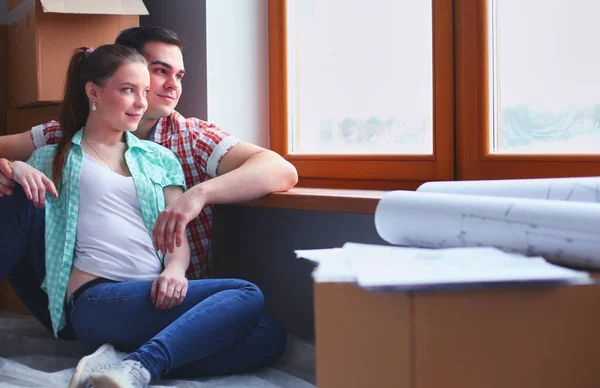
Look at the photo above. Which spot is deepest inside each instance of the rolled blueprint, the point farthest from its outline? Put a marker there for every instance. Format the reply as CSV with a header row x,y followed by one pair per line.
x,y
562,189
563,232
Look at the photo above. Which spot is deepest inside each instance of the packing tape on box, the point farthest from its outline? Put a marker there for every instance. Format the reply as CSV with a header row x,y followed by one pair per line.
x,y
17,13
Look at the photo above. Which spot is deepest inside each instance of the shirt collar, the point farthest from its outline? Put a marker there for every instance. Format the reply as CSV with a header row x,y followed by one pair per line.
x,y
163,129
77,137
133,142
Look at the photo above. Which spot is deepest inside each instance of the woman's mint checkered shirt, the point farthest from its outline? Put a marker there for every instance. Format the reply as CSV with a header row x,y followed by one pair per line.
x,y
152,167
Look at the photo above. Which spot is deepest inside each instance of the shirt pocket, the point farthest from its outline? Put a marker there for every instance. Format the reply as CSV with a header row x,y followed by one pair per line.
x,y
157,178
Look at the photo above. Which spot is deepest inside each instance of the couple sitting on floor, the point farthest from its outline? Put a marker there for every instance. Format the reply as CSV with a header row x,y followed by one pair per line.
x,y
100,221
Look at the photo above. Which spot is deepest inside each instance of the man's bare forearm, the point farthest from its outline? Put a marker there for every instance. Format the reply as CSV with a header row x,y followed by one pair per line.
x,y
262,174
16,147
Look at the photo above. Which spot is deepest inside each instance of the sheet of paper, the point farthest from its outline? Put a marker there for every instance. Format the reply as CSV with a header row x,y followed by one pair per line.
x,y
318,255
420,269
334,264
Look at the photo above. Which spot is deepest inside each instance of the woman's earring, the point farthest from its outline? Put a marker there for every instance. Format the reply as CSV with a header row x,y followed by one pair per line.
x,y
94,105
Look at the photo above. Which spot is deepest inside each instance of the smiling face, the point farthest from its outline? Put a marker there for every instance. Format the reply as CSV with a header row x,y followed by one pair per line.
x,y
165,63
121,102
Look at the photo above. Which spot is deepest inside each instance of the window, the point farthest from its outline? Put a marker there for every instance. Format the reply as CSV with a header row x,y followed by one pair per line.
x,y
547,104
360,77
389,94
526,81
353,101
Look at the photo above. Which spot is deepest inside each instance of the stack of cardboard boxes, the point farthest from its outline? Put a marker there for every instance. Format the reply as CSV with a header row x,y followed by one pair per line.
x,y
37,40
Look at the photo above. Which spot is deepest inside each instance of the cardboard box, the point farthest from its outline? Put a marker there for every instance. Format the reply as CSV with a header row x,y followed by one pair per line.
x,y
42,41
23,119
546,337
9,300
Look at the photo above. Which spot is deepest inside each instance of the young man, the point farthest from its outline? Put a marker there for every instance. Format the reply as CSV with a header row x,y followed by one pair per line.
x,y
218,169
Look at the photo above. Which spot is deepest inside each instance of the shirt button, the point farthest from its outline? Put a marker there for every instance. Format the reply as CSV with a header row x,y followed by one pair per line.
x,y
65,265
71,217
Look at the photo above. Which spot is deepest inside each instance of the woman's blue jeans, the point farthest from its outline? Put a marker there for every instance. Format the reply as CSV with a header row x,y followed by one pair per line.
x,y
22,262
218,329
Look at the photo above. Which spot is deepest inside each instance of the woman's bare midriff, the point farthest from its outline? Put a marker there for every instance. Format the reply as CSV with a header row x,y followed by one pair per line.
x,y
77,279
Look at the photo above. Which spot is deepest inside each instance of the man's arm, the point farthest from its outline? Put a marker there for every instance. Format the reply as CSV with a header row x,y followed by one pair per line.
x,y
246,172
16,147
170,288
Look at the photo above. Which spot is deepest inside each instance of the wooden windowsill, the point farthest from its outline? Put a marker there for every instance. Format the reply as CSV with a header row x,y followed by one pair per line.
x,y
327,200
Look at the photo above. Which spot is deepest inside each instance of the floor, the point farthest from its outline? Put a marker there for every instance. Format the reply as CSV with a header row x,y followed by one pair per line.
x,y
31,357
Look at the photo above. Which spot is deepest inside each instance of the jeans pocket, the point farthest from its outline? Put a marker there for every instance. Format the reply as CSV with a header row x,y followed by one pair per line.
x,y
91,340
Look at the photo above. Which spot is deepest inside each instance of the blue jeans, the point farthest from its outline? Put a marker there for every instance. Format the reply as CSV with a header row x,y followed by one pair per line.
x,y
218,329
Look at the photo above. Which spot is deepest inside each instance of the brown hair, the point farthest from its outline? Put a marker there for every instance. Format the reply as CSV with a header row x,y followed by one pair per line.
x,y
87,65
137,37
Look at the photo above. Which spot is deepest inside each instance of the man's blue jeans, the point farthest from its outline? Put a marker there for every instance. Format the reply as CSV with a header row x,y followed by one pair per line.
x,y
218,329
22,261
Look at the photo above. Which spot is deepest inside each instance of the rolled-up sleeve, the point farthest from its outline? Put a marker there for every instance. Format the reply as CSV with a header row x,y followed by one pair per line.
x,y
210,146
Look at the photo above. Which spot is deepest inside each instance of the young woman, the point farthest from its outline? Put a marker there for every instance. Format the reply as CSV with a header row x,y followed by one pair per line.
x,y
103,273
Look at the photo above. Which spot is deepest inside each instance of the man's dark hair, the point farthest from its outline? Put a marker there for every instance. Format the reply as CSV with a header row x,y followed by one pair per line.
x,y
137,37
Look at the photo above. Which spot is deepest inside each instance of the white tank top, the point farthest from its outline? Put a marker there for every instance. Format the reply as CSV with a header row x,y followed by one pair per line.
x,y
112,240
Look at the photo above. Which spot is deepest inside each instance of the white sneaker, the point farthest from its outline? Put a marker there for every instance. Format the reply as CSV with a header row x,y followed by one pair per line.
x,y
126,374
105,355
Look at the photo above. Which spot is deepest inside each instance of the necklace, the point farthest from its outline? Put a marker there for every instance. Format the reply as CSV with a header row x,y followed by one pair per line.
x,y
97,153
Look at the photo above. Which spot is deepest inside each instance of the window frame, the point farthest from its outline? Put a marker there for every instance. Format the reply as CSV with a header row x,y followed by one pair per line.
x,y
379,172
474,161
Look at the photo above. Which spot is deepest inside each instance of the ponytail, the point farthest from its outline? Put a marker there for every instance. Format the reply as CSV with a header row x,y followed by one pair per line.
x,y
73,113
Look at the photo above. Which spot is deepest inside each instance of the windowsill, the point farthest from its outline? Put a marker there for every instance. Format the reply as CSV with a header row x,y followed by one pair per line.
x,y
326,200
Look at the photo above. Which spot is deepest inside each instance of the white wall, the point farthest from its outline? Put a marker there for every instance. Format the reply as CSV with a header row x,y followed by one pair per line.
x,y
238,68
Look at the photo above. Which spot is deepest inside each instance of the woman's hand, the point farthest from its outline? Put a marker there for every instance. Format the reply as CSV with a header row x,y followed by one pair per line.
x,y
169,289
6,182
35,184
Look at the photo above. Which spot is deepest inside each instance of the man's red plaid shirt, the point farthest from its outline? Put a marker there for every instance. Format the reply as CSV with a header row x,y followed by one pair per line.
x,y
200,147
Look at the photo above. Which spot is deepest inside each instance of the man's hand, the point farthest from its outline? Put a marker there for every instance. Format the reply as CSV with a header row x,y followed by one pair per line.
x,y
169,289
35,184
170,225
6,182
